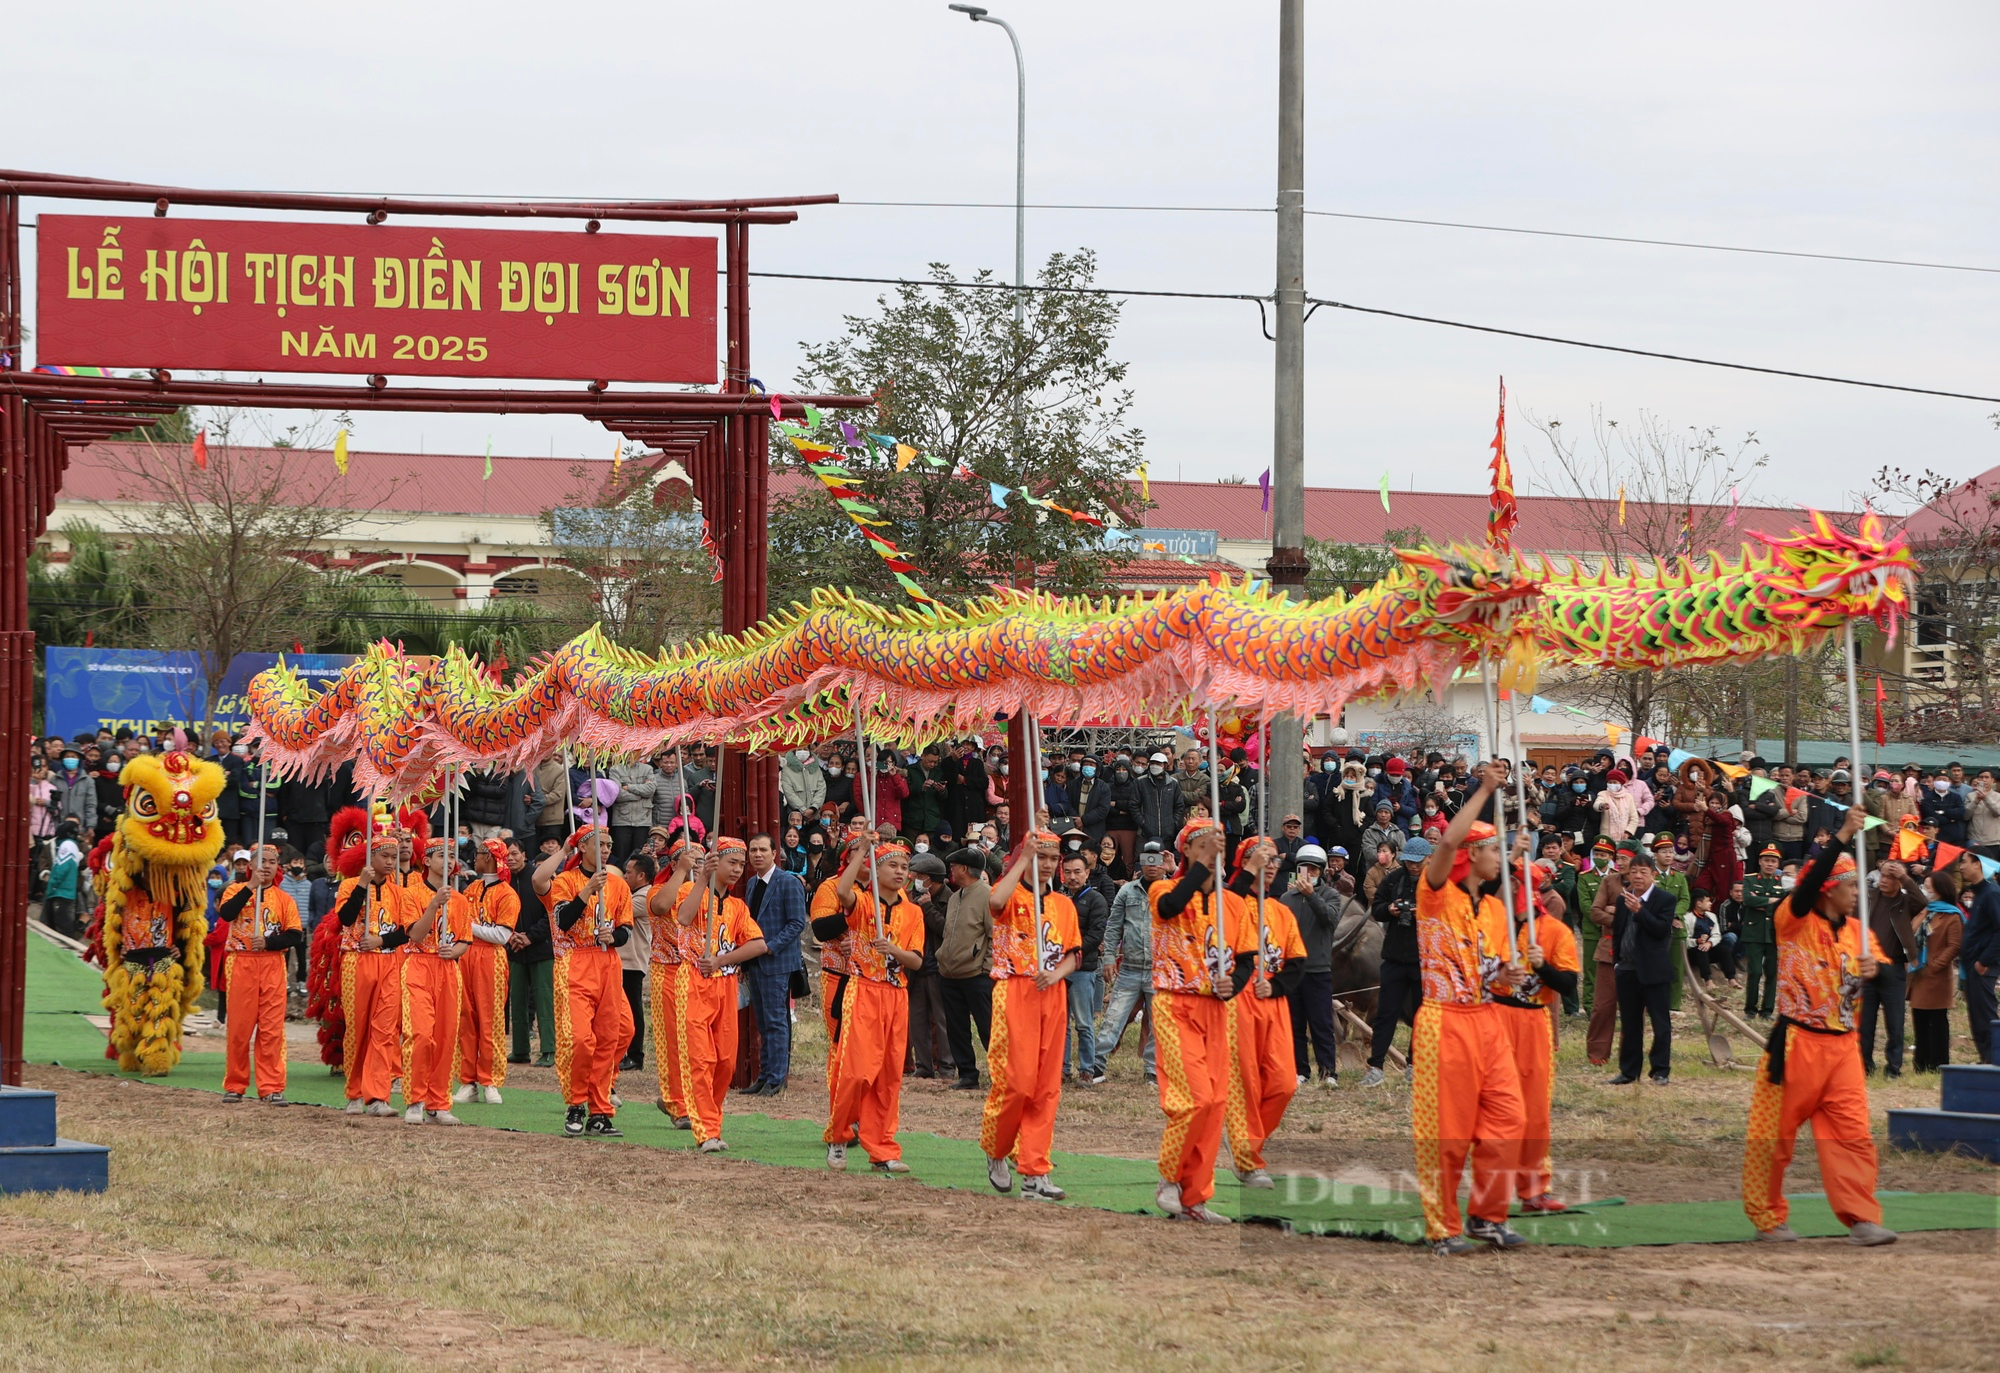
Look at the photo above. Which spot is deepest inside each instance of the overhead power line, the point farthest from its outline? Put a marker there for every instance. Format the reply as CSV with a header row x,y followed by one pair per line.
x,y
1261,300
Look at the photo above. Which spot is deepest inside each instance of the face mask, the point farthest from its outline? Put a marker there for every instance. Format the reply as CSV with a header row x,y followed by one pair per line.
x,y
922,847
1577,787
1941,786
825,822
833,771
1430,810
1089,771
1003,769
1204,765
802,755
1350,782
69,765
1614,787
1157,770
1328,764
918,885
1045,774
1123,774
1374,772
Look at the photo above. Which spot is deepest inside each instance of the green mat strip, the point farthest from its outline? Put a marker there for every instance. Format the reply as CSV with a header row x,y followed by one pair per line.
x,y
62,990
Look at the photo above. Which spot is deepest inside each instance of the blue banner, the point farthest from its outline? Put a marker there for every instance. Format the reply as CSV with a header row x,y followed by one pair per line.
x,y
144,690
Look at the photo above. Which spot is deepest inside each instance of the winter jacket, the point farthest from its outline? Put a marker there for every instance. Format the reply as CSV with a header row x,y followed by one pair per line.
x,y
1092,915
77,795
1620,813
1947,812
669,786
1161,807
634,806
1395,907
552,790
486,799
1374,837
1760,815
923,808
1318,914
891,788
802,785
1790,825
967,947
1128,931
1113,805
1982,826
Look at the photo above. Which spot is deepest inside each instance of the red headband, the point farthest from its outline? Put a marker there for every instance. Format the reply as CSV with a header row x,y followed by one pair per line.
x,y
498,851
1461,862
724,844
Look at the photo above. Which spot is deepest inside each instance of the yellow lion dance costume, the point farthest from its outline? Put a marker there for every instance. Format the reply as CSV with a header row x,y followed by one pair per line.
x,y
155,905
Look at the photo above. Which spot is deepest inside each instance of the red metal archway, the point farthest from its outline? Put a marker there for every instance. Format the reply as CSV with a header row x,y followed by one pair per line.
x,y
721,438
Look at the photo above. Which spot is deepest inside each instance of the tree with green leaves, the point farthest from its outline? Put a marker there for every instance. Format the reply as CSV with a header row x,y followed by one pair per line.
x,y
633,545
1038,406
1352,567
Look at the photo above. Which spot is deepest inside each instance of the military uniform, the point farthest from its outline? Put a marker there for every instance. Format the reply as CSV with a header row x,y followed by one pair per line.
x,y
1587,931
1677,883
1758,944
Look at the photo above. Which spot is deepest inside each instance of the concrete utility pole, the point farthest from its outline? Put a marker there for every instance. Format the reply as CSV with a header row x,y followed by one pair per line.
x,y
1283,769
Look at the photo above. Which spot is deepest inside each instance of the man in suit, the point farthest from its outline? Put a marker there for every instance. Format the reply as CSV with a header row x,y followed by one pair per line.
x,y
1642,940
777,904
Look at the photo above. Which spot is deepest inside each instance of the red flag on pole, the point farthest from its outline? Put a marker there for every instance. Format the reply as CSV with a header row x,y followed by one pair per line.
x,y
1504,515
1881,725
201,449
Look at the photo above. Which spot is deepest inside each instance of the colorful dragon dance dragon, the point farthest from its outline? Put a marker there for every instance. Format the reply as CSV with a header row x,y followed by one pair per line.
x,y
914,676
155,905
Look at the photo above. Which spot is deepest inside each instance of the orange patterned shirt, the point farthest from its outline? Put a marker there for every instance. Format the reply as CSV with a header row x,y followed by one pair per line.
x,y
456,918
494,903
733,929
905,928
832,952
670,937
1014,933
280,913
1454,946
148,924
1819,969
1559,949
1189,955
613,903
390,907
1282,942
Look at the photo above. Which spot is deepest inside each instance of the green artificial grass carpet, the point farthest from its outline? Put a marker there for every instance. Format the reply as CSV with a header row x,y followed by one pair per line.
x,y
62,990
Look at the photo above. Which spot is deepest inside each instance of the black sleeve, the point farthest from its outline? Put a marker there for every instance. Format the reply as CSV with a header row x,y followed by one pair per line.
x,y
233,907
1244,883
1805,895
622,933
350,909
829,927
568,913
395,939
1176,901
284,939
1562,982
1246,968
1289,977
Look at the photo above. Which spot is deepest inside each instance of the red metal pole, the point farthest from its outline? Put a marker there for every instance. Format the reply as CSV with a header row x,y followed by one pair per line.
x,y
16,661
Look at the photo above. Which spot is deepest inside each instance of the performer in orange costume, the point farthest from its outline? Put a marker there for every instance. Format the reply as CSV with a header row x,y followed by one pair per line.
x,y
1465,1090
670,977
590,915
432,991
872,1023
482,1014
375,913
719,938
833,971
1554,967
1267,1073
1810,1070
1204,953
1030,1013
263,924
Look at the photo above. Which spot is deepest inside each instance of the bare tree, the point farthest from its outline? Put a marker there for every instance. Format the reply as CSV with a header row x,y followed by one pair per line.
x,y
1420,725
1638,495
225,544
1954,527
634,543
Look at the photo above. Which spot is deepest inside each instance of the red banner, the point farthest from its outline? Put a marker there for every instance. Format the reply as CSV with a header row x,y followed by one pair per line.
x,y
272,296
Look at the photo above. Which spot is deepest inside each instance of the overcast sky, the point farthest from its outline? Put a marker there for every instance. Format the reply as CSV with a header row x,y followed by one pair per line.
x,y
1863,129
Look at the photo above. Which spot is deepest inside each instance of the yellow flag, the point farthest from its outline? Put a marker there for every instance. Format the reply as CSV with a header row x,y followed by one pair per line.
x,y
617,454
1613,731
1621,505
1145,487
340,452
905,455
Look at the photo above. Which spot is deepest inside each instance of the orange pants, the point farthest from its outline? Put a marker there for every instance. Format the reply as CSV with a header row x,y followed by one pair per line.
x,y
593,1026
371,996
708,1049
867,1067
1024,1056
482,1016
667,984
1531,1037
1267,1074
256,1002
1824,1084
1465,1096
1194,1040
431,992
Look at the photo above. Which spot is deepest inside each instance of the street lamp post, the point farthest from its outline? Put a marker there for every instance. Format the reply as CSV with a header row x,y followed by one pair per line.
x,y
1024,789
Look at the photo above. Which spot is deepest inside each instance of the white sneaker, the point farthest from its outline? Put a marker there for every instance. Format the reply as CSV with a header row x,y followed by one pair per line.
x,y
356,1106
1332,1084
836,1156
1302,1079
890,1165
380,1108
713,1146
490,1095
1208,1217
463,1094
441,1118
1000,1172
414,1116
1040,1189
1374,1078
1097,1079
1167,1196
1255,1177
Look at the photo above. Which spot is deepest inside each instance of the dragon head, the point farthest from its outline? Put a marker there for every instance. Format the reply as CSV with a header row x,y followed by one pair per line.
x,y
169,819
1869,573
1481,593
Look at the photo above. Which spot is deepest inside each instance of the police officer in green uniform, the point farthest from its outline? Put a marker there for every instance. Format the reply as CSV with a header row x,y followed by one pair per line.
x,y
1669,875
1757,945
1601,855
